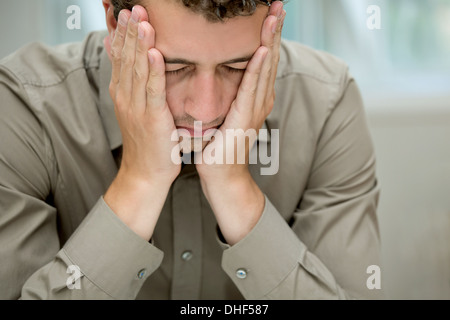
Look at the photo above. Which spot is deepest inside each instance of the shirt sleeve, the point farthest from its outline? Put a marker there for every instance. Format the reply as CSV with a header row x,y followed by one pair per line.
x,y
325,250
103,259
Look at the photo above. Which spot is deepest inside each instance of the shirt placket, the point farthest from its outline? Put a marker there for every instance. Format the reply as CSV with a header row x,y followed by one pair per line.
x,y
187,231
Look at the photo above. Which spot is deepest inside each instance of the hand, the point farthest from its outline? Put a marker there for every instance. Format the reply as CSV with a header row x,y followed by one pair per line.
x,y
137,89
231,191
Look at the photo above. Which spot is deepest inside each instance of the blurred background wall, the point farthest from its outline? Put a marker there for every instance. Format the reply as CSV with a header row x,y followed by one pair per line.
x,y
399,53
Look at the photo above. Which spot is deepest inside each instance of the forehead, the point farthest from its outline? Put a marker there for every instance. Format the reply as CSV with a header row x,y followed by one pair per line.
x,y
181,33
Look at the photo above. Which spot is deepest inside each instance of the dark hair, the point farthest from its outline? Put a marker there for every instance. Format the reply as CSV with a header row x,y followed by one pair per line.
x,y
213,10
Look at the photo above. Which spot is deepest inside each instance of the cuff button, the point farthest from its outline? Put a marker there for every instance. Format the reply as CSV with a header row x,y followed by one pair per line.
x,y
241,273
141,273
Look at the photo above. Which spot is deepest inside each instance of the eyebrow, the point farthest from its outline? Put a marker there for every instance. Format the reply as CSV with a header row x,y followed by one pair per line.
x,y
184,61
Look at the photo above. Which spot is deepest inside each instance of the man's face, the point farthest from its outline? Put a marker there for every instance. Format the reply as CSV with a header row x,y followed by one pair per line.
x,y
205,61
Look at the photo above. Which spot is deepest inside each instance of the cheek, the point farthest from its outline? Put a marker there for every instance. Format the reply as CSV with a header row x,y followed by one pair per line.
x,y
232,83
174,97
229,87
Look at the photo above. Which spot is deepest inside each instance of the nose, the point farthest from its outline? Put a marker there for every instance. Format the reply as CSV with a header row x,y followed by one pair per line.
x,y
204,101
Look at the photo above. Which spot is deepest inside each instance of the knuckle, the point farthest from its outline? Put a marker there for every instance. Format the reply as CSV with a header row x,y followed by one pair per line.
x,y
277,58
131,114
112,90
127,59
120,34
151,91
258,71
155,93
121,101
154,74
252,92
139,75
132,29
116,54
140,50
249,90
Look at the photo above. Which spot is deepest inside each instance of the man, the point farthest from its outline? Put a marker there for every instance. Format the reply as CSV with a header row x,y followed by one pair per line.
x,y
94,205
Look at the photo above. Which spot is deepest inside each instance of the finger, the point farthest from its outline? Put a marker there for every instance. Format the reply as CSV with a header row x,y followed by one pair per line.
x,y
107,44
143,15
268,40
272,28
117,46
276,8
146,41
248,90
276,54
279,29
269,68
129,54
156,85
271,37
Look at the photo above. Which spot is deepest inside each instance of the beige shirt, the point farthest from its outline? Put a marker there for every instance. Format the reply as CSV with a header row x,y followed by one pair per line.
x,y
60,149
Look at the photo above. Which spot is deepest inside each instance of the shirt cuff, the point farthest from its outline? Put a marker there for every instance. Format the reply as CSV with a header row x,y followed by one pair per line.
x,y
263,258
110,254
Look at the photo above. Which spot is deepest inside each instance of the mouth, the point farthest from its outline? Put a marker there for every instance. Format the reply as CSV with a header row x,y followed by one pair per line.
x,y
197,132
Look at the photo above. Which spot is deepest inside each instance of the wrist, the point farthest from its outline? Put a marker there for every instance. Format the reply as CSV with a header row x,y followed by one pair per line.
x,y
217,179
137,202
146,174
237,204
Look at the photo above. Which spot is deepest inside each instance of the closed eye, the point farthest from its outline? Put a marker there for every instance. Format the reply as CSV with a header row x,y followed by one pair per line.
x,y
178,71
185,69
234,70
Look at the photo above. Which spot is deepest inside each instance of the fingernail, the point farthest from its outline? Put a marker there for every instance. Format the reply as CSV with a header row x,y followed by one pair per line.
x,y
275,25
135,15
141,31
280,13
123,18
266,54
151,58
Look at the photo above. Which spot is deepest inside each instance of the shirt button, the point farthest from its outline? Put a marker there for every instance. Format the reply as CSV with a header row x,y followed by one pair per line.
x,y
141,273
241,273
187,255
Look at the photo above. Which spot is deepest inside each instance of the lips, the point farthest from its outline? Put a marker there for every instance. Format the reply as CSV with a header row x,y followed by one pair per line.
x,y
197,132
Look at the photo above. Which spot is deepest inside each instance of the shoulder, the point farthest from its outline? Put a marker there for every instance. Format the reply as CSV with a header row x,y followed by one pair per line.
x,y
37,64
40,86
310,83
37,77
303,61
